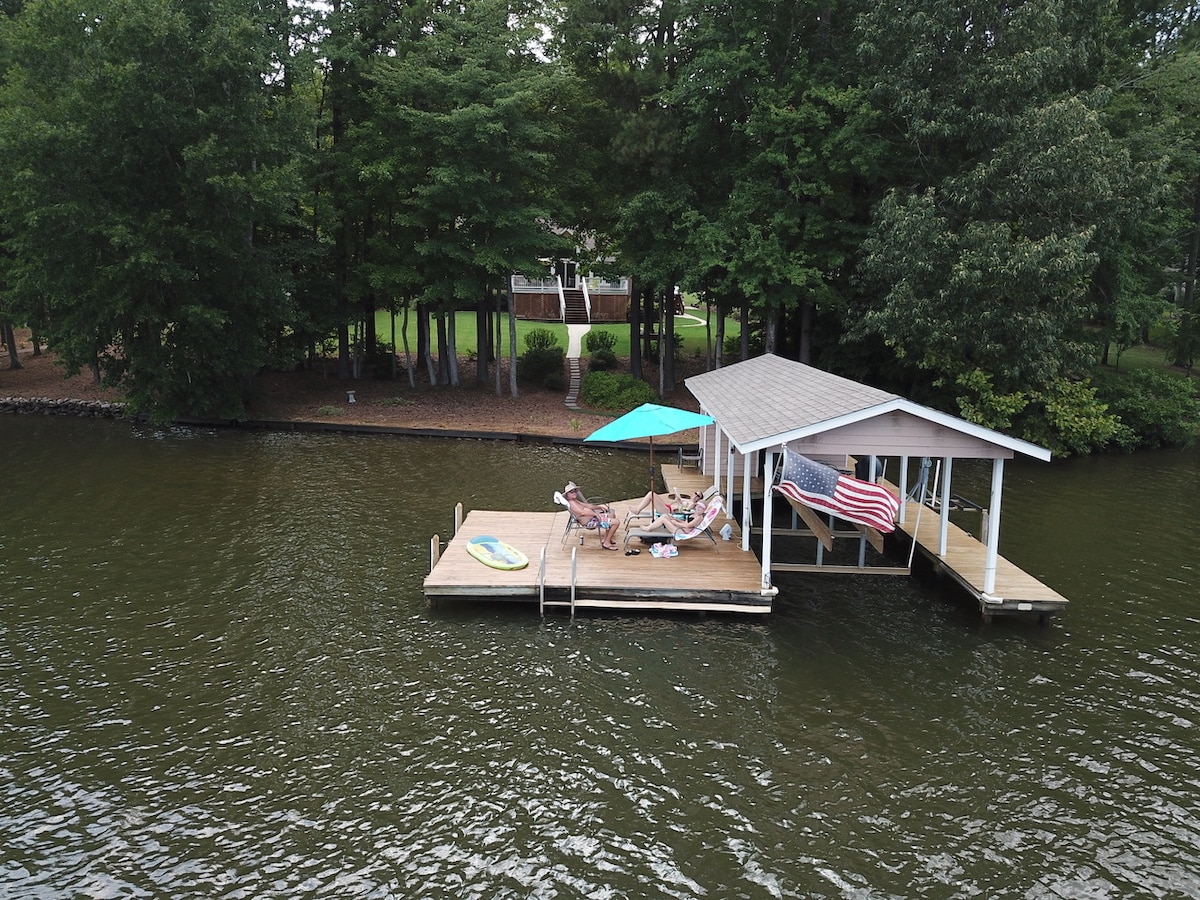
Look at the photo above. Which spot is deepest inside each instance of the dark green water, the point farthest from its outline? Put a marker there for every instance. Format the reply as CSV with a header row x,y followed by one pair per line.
x,y
219,678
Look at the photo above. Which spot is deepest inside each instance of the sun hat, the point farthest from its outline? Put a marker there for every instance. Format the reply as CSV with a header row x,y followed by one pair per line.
x,y
571,486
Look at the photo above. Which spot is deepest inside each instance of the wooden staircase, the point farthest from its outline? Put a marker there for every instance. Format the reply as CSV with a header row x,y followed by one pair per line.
x,y
576,309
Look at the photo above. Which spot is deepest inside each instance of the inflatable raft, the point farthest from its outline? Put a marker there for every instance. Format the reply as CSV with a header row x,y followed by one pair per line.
x,y
495,553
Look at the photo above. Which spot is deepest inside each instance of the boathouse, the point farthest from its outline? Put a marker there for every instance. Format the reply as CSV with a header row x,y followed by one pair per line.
x,y
763,405
761,408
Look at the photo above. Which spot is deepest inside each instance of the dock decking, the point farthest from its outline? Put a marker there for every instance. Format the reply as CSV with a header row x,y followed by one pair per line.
x,y
1016,591
703,578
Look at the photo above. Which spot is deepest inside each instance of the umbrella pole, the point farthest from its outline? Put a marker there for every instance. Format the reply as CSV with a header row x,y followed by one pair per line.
x,y
652,476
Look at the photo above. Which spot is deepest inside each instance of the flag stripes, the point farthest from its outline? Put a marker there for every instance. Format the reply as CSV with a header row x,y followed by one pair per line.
x,y
823,487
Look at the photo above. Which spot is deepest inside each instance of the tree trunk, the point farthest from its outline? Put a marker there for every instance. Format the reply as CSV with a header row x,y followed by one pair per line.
x,y
482,339
708,335
667,341
344,366
635,334
442,355
770,330
370,332
745,336
412,381
806,325
1185,345
424,342
719,349
452,346
499,344
10,341
662,335
392,310
649,318
512,346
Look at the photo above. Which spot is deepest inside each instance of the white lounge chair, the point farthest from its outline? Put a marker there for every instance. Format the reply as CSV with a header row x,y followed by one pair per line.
x,y
651,514
702,527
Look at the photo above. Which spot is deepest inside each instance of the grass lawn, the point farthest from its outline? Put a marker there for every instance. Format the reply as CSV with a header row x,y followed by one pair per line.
x,y
689,330
1145,356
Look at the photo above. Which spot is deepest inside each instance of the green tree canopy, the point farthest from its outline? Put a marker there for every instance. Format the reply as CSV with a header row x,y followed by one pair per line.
x,y
140,159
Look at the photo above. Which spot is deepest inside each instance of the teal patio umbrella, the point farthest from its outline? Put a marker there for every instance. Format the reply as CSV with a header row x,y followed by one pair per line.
x,y
649,420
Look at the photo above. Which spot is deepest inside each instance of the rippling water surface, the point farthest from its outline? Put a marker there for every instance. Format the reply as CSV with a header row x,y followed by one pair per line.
x,y
219,677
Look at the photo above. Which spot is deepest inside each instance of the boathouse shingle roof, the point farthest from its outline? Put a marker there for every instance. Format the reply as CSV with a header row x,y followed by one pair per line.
x,y
768,401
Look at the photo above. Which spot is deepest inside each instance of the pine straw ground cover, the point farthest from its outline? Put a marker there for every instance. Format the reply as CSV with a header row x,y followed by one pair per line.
x,y
302,396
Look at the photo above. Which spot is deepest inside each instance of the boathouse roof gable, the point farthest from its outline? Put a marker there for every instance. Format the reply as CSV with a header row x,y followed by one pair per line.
x,y
768,401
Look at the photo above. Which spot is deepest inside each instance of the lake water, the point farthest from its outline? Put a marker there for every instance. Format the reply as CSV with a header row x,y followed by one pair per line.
x,y
219,678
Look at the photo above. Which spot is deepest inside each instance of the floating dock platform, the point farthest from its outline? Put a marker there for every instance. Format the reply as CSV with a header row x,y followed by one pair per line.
x,y
704,577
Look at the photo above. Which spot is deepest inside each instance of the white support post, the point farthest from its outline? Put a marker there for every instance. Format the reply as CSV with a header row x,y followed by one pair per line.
x,y
716,457
903,487
766,517
747,518
993,528
731,463
944,523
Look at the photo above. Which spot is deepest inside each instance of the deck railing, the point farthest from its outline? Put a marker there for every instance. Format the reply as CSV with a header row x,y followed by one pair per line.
x,y
523,285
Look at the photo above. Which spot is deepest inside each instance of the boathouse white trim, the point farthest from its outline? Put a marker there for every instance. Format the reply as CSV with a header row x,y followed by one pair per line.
x,y
767,403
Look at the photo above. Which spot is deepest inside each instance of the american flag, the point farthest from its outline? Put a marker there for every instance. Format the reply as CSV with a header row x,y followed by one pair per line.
x,y
822,487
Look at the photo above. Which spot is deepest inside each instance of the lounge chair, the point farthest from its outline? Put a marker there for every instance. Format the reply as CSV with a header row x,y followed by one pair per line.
x,y
702,527
650,513
573,523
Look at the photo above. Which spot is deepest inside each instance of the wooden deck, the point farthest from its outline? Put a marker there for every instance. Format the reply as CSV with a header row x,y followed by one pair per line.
x,y
1016,591
703,578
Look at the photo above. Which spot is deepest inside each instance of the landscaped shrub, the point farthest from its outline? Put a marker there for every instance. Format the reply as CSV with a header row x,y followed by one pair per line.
x,y
541,365
1160,410
599,340
379,361
602,361
619,393
600,345
540,339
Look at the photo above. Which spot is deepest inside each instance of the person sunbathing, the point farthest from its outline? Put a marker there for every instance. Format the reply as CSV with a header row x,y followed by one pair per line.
x,y
679,507
591,515
667,523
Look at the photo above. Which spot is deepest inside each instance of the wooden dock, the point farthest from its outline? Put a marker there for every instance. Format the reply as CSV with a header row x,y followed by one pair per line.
x,y
704,577
1016,591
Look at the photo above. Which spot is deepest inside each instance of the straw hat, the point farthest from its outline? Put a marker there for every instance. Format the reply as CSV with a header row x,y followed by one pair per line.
x,y
571,486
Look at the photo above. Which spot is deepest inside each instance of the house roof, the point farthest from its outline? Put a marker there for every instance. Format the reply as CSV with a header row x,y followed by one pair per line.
x,y
768,401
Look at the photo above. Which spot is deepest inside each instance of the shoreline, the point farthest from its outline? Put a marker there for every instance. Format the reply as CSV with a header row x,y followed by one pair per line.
x,y
101,409
314,401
